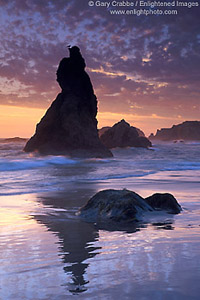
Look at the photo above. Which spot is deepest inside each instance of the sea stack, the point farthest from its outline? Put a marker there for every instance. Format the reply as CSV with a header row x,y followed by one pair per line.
x,y
123,135
69,126
186,131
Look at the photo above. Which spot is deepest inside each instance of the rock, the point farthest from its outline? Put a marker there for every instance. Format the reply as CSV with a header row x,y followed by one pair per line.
x,y
140,132
165,202
188,131
124,135
103,130
14,140
151,137
69,126
125,206
114,205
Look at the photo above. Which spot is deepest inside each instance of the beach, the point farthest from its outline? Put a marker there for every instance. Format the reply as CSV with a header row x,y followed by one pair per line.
x,y
48,252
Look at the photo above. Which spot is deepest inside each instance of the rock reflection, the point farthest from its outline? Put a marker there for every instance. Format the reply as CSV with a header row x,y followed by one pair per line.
x,y
79,240
164,225
76,241
126,227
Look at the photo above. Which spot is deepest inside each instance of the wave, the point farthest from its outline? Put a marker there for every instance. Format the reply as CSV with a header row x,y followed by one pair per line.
x,y
118,176
184,166
33,163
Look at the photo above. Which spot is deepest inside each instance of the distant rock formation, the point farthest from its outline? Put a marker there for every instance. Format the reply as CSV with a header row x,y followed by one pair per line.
x,y
125,206
103,130
188,131
15,140
124,135
140,132
69,126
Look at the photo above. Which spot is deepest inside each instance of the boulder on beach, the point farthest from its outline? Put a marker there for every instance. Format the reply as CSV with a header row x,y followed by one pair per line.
x,y
123,135
69,126
186,131
165,202
125,206
115,205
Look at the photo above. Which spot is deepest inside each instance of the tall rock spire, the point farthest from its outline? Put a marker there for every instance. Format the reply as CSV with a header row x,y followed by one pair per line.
x,y
69,126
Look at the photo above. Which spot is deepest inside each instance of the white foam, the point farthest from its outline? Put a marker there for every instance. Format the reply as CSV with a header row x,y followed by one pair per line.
x,y
32,163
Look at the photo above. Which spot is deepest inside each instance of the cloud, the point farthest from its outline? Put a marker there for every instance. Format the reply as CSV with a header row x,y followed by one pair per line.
x,y
142,64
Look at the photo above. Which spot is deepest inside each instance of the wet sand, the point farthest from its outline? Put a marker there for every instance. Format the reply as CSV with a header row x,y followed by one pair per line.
x,y
48,253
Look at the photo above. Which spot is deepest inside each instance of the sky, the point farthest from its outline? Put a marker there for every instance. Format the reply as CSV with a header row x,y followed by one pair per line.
x,y
144,69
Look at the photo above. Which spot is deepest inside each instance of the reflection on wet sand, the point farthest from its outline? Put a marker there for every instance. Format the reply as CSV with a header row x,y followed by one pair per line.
x,y
76,239
164,225
141,262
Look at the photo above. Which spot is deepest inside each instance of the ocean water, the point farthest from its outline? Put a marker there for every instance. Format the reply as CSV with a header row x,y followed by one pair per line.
x,y
47,252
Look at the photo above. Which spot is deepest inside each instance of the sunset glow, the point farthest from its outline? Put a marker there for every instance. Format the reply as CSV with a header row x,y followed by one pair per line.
x,y
18,121
88,212
143,69
148,124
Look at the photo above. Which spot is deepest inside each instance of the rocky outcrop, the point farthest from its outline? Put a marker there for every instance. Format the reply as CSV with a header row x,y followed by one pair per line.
x,y
188,131
14,140
115,205
69,126
165,202
125,206
124,135
103,130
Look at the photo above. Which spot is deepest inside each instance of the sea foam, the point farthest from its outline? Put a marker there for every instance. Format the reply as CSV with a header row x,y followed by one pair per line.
x,y
33,163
